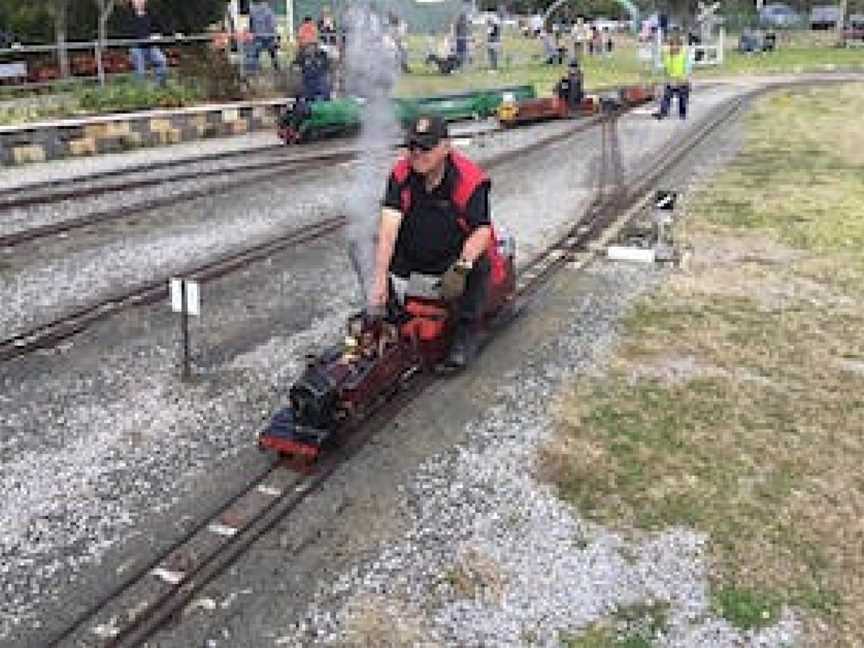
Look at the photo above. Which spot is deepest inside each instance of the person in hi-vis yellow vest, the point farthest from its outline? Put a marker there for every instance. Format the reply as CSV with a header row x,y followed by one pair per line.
x,y
677,65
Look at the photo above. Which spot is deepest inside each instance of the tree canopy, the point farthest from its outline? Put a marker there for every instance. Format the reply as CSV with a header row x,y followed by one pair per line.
x,y
32,22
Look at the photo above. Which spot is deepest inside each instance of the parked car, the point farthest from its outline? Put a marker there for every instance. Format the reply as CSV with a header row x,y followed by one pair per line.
x,y
778,14
825,17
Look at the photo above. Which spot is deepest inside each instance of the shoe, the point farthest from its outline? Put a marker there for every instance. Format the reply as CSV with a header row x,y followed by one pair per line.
x,y
658,115
463,350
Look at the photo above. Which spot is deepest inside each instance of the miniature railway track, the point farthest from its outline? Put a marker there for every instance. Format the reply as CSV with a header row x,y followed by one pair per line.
x,y
268,170
10,197
159,592
52,333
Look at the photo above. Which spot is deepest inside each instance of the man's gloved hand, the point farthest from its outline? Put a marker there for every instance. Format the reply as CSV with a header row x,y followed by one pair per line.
x,y
453,281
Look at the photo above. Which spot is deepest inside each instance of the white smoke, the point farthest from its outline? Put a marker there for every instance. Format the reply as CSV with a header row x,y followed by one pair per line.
x,y
371,71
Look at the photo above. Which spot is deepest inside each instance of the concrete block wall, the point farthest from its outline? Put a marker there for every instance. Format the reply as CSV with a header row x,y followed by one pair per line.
x,y
66,138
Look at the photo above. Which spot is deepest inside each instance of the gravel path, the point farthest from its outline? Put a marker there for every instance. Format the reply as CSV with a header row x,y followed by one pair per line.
x,y
138,454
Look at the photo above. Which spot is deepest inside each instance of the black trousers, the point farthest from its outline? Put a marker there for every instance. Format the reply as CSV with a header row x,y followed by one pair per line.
x,y
683,92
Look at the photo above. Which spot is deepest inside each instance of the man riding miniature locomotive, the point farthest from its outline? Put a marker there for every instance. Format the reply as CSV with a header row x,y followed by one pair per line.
x,y
569,88
435,221
442,276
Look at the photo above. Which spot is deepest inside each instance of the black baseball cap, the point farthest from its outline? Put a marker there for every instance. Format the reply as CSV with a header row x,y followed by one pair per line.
x,y
425,131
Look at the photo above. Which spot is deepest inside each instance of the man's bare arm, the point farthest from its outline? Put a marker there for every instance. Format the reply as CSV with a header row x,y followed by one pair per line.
x,y
477,243
388,230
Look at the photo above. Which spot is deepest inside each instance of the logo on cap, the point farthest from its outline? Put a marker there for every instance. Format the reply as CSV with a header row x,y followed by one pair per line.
x,y
422,125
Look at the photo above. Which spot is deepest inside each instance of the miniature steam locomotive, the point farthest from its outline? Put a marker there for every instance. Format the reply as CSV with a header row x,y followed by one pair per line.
x,y
378,357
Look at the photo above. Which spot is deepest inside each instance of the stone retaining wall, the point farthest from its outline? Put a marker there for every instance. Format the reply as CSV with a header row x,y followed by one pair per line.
x,y
90,136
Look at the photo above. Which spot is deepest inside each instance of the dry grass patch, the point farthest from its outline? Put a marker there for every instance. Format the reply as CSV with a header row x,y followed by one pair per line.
x,y
477,576
382,622
735,404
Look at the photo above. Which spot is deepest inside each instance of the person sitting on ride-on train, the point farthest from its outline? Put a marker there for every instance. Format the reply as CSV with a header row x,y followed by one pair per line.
x,y
435,220
569,88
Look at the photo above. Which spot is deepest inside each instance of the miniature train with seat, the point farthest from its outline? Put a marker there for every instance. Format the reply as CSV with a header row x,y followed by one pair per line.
x,y
378,357
526,111
304,121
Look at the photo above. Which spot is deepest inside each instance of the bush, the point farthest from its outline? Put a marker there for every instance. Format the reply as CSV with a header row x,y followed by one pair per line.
x,y
122,96
213,76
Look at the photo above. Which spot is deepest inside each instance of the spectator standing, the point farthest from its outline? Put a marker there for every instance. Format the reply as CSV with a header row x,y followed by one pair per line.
x,y
554,53
537,25
676,64
262,22
609,43
307,33
462,38
327,28
493,43
143,53
596,41
315,68
581,35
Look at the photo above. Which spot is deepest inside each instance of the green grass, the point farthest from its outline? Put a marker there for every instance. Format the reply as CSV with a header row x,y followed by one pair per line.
x,y
745,608
632,626
735,402
788,60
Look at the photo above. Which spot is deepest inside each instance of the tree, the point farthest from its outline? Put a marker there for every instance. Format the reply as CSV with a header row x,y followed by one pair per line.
x,y
28,21
106,8
59,12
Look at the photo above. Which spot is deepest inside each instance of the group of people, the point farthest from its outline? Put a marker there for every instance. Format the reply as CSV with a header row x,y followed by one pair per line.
x,y
591,40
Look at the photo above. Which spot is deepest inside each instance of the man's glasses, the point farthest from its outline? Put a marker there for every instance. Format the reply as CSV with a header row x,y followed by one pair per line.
x,y
414,147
